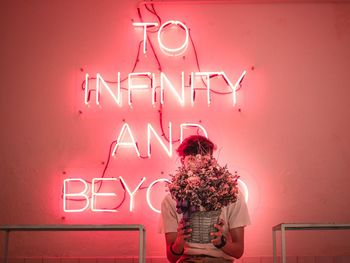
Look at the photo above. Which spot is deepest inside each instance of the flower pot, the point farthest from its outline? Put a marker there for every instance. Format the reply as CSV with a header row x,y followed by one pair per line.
x,y
202,224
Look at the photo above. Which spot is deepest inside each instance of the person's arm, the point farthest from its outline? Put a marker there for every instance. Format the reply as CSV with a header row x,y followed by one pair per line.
x,y
175,242
235,247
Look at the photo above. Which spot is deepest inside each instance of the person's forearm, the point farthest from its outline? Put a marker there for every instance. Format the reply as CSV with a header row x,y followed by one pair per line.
x,y
233,249
175,250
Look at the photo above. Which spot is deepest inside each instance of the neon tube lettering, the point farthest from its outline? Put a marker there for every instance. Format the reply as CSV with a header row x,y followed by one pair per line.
x,y
99,80
153,90
86,90
173,51
192,88
207,75
164,78
138,86
164,82
144,25
132,143
95,194
131,194
234,87
183,125
148,193
149,130
226,79
81,194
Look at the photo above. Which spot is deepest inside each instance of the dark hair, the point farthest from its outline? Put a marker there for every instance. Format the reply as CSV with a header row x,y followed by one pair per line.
x,y
196,144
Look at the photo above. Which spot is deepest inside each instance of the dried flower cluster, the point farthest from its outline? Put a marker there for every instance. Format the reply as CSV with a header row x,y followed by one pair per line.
x,y
201,184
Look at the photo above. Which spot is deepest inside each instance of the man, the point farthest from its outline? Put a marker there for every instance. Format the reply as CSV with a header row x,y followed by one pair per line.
x,y
226,244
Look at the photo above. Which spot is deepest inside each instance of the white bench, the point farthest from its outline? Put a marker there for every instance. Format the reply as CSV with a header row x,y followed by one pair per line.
x,y
283,227
14,228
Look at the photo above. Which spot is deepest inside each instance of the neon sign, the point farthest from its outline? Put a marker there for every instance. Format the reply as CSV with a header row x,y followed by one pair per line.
x,y
167,50
163,79
126,130
164,82
120,143
89,198
89,194
145,26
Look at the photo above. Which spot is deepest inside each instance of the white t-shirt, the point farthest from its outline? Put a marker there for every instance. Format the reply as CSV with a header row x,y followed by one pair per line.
x,y
234,215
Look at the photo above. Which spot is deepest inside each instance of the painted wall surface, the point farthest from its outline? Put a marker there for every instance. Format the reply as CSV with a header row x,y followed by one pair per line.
x,y
289,141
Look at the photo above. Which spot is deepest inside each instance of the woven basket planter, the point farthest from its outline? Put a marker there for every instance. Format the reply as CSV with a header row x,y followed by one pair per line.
x,y
202,224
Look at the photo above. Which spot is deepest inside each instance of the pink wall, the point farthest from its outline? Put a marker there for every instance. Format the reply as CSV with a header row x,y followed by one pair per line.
x,y
290,142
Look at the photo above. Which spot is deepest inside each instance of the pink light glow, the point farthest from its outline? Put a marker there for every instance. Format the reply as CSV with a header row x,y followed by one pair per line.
x,y
146,81
243,187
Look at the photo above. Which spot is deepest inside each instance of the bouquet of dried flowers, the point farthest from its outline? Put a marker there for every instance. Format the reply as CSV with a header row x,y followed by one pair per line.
x,y
201,184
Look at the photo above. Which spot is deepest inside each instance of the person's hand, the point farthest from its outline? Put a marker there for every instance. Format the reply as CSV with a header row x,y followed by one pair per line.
x,y
217,235
183,232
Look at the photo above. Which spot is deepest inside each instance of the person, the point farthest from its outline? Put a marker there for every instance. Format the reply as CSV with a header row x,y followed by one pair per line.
x,y
226,244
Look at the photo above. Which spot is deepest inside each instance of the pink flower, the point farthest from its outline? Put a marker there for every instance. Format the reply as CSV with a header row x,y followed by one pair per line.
x,y
204,183
193,179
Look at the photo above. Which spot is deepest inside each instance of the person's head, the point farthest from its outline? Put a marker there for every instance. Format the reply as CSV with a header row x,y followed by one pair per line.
x,y
196,144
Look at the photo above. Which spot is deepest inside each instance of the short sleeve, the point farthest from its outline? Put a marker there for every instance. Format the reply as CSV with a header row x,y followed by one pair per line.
x,y
238,214
169,217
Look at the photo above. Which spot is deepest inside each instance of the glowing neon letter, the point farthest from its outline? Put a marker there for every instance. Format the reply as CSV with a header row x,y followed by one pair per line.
x,y
148,194
207,75
131,194
192,88
183,125
95,194
81,194
164,78
99,80
173,51
224,76
132,143
149,130
138,86
144,25
234,87
86,89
